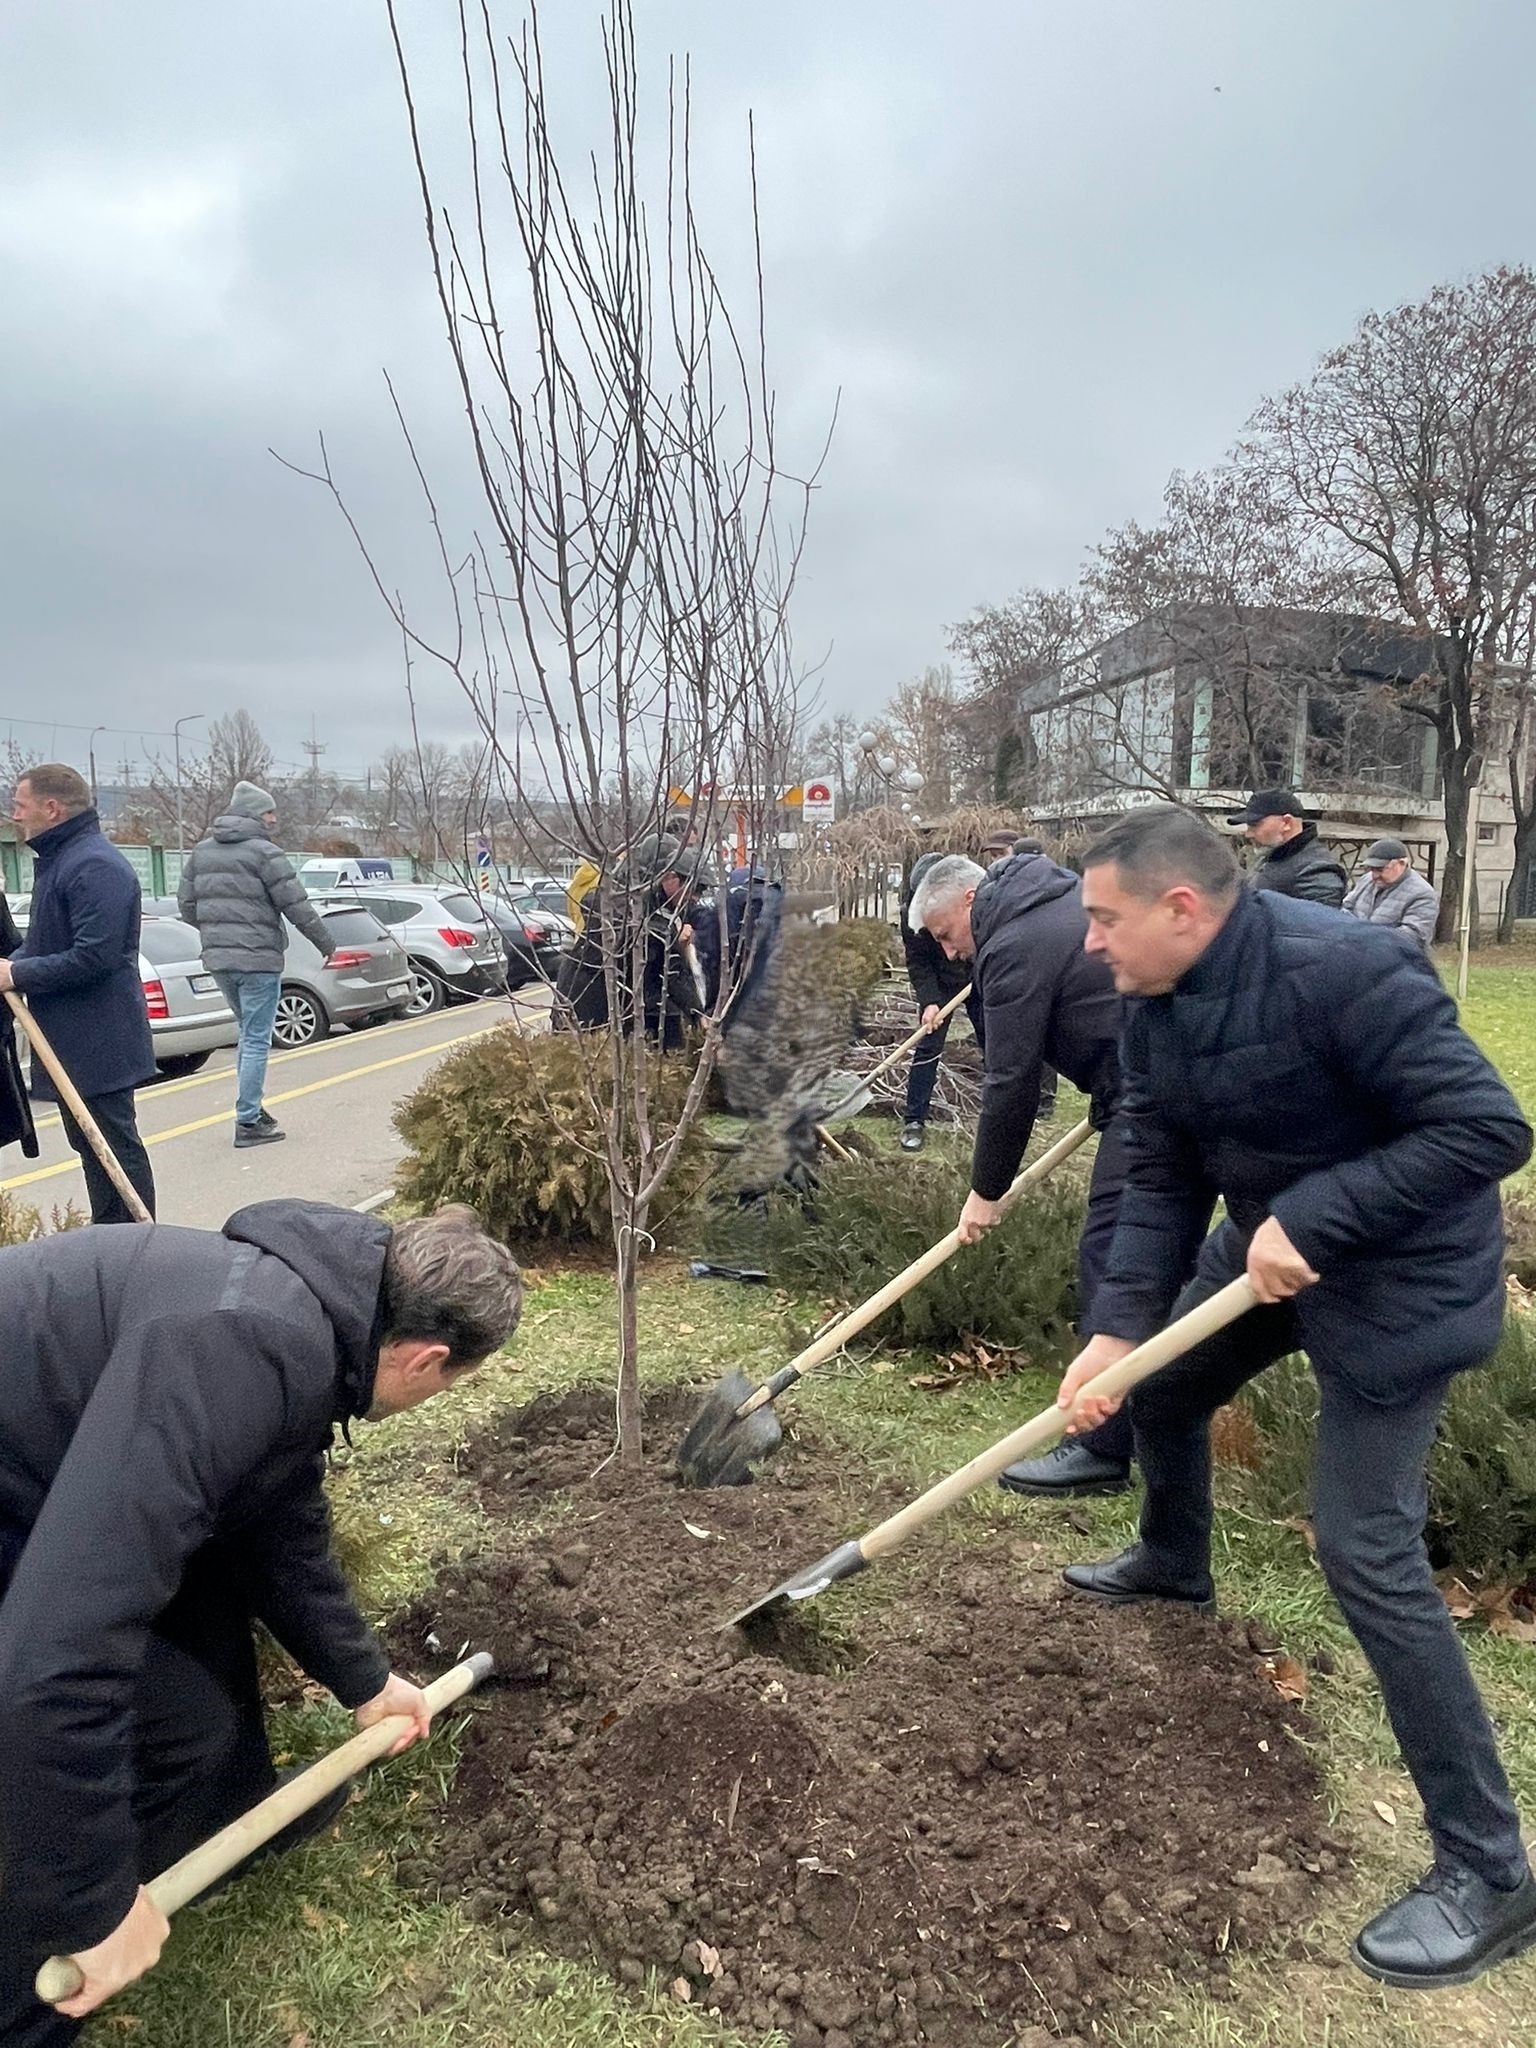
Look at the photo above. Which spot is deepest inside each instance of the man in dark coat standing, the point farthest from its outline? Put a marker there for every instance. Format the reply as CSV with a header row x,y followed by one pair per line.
x,y
1295,863
936,980
1020,924
166,1402
1311,1071
78,968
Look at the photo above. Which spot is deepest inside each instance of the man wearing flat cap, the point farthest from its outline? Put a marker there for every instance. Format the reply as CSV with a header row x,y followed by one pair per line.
x,y
1296,863
1389,892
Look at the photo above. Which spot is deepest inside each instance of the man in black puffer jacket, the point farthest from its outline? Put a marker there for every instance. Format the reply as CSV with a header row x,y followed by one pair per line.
x,y
166,1402
237,888
1296,862
1044,1000
1312,1072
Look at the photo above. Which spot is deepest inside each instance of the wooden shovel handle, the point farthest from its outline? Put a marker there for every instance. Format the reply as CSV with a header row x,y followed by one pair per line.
x,y
60,1977
891,1058
1201,1322
69,1095
857,1319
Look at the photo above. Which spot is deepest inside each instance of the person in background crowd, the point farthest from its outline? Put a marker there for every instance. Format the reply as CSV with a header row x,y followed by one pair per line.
x,y
654,887
1312,1073
1389,892
935,979
1295,863
78,968
236,889
16,1126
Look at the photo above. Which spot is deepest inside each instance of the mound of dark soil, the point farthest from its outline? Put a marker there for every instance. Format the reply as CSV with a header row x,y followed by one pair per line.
x,y
980,1808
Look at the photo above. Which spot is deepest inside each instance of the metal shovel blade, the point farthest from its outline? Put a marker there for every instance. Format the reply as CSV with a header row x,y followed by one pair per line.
x,y
841,1563
721,1447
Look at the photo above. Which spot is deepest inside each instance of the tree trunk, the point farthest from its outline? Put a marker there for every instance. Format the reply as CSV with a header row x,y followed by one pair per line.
x,y
1525,856
1458,772
627,1276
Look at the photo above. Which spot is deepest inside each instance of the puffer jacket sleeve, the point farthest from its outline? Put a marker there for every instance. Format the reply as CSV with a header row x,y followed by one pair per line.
x,y
1422,914
1321,880
1452,1126
186,890
287,895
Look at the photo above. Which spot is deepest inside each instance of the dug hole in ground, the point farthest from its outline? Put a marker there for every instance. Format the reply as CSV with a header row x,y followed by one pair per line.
x,y
953,1805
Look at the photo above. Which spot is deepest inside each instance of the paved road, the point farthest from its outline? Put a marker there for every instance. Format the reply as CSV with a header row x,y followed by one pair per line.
x,y
335,1100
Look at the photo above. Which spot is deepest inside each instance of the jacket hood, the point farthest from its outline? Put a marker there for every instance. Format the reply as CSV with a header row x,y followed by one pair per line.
x,y
339,1256
1014,887
238,825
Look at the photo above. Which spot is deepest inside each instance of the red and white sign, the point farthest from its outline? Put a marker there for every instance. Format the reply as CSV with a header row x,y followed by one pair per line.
x,y
817,806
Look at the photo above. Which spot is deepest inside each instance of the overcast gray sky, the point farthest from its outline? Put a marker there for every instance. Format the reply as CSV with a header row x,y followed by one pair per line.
x,y
1047,250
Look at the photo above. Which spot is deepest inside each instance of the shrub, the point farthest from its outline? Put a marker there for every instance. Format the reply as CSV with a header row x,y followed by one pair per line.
x,y
1482,1471
509,1124
21,1224
870,1218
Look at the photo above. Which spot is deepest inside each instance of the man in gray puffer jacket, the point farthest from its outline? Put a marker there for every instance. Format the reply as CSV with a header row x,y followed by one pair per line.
x,y
237,888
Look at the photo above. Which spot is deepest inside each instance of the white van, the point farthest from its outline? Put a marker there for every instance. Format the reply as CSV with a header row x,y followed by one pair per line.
x,y
322,877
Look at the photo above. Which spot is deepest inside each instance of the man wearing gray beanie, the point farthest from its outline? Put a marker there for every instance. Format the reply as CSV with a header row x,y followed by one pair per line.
x,y
237,888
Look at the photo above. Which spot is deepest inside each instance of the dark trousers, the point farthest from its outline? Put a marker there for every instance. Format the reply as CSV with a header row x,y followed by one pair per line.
x,y
200,1759
924,1071
119,1126
1370,1499
1114,1438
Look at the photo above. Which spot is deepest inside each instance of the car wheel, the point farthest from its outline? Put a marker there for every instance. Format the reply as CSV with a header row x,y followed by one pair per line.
x,y
300,1019
427,992
175,1064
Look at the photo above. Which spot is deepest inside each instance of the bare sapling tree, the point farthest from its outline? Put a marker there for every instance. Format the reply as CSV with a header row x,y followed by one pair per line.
x,y
616,621
1413,447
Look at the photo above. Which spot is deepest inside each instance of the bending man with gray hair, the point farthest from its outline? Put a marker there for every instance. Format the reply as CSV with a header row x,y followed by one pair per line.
x,y
168,1399
1044,1002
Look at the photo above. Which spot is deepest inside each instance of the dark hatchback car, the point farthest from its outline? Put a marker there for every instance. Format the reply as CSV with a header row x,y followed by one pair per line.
x,y
533,946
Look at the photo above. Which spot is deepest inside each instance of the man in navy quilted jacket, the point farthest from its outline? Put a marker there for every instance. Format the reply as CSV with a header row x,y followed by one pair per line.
x,y
1312,1073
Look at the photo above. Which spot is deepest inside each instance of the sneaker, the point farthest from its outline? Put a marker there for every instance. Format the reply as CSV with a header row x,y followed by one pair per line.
x,y
1072,1471
1451,1927
268,1123
912,1138
257,1134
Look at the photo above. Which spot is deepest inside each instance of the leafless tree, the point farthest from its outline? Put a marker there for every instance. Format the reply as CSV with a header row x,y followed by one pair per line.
x,y
1004,650
619,629
1414,448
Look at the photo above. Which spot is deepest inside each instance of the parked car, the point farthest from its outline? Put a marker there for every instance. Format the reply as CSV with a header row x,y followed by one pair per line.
x,y
453,949
533,945
549,894
367,980
188,1016
320,877
524,899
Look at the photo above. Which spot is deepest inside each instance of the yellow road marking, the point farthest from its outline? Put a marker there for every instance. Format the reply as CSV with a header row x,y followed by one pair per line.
x,y
206,1123
278,1059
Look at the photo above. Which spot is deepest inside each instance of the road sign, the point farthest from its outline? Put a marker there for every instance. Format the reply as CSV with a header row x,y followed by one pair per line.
x,y
817,806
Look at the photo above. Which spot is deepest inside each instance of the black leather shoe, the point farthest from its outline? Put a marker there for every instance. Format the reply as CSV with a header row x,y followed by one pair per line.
x,y
1451,1927
1130,1577
1070,1472
912,1138
257,1134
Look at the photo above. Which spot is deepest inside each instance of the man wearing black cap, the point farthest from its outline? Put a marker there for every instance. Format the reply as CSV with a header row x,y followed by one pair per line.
x,y
1390,893
1295,860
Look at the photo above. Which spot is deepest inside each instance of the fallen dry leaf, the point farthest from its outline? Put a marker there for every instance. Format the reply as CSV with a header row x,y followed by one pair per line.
x,y
1385,1812
709,1959
936,1381
1302,1524
704,1535
1460,1600
1516,1622
684,1329
682,1989
1288,1675
312,1917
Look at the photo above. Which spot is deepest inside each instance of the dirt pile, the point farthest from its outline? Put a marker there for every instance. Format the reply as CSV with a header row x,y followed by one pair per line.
x,y
976,1808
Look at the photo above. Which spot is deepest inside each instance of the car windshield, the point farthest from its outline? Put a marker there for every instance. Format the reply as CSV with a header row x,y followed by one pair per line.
x,y
165,943
354,927
463,906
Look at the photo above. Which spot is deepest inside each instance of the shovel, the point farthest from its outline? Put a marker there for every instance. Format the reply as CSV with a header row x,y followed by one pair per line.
x,y
857,1097
1025,1442
187,1880
69,1095
736,1428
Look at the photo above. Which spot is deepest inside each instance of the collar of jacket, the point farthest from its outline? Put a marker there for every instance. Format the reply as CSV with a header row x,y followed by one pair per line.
x,y
1292,847
48,843
1213,971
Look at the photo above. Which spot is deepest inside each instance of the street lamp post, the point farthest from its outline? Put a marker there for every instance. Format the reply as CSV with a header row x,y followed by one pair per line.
x,y
190,718
90,748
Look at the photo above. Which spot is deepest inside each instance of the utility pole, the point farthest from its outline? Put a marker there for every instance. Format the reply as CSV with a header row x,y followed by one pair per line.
x,y
314,748
90,748
189,718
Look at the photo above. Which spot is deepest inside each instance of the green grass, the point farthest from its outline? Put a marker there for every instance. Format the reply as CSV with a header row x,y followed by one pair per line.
x,y
1500,1013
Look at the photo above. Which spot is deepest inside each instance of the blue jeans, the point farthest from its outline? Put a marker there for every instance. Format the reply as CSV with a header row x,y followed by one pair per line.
x,y
253,998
